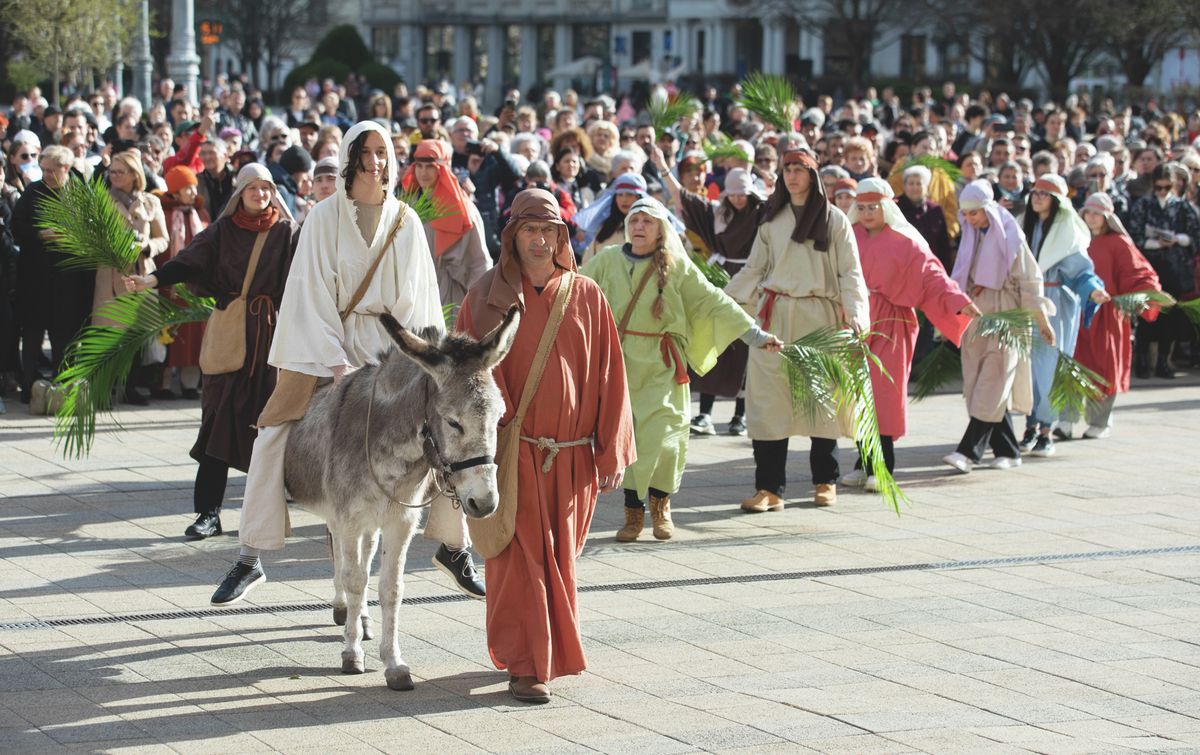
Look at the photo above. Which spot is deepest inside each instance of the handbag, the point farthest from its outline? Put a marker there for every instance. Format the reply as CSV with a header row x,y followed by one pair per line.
x,y
491,536
223,349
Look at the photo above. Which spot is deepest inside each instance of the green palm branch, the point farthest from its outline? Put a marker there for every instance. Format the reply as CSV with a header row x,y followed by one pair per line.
x,y
428,207
1134,304
938,368
828,373
935,163
720,147
666,112
772,98
1074,387
98,360
714,273
1012,328
449,315
89,229
1191,309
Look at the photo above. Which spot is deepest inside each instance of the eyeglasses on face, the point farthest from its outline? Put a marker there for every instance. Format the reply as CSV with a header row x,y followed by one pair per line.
x,y
427,120
1039,193
27,155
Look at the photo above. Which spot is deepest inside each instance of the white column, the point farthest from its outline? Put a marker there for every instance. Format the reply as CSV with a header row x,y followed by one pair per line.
x,y
412,52
497,44
529,62
682,37
143,64
774,45
183,64
714,48
564,41
462,54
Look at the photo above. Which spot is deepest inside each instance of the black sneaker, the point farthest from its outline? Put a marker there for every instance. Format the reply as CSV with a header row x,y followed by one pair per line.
x,y
458,566
206,525
1030,437
240,580
737,425
1043,447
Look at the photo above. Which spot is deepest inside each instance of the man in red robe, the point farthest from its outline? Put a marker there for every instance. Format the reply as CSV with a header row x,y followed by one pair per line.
x,y
1106,347
576,441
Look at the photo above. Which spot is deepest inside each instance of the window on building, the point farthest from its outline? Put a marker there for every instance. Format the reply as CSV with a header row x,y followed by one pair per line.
x,y
545,56
590,39
912,57
845,54
956,61
512,57
439,51
642,46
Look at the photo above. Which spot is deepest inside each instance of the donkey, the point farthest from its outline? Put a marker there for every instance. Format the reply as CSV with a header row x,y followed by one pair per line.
x,y
368,451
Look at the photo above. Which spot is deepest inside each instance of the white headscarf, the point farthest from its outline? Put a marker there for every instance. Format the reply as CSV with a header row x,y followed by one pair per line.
x,y
250,173
656,210
869,190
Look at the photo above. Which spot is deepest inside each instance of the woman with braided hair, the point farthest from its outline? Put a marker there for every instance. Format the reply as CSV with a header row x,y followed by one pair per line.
x,y
669,318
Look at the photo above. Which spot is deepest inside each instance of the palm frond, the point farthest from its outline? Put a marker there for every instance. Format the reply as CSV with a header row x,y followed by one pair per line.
x,y
428,207
667,112
714,273
1191,309
828,373
938,368
449,315
935,163
1012,328
1074,387
89,229
1133,304
772,98
720,147
98,360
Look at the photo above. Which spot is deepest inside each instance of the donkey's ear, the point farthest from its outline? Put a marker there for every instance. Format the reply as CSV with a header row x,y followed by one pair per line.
x,y
425,354
497,343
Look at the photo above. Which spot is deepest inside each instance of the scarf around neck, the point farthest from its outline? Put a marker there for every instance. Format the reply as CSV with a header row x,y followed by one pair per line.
x,y
256,223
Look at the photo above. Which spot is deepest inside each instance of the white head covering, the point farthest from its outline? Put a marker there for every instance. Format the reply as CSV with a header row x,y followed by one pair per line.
x,y
1068,233
875,189
919,170
1000,245
740,181
250,173
25,136
1102,203
656,210
352,135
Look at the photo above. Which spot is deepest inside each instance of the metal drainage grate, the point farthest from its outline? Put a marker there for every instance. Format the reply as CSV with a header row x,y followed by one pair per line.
x,y
980,563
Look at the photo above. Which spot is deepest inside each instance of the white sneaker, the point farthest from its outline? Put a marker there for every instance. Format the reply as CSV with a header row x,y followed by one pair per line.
x,y
958,461
1005,462
855,479
1096,433
871,485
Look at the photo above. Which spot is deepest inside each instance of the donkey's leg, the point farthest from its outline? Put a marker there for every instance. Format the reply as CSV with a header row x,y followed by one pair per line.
x,y
339,595
397,534
353,573
368,631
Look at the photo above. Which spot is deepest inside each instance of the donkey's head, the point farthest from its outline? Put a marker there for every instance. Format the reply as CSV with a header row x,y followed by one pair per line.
x,y
466,406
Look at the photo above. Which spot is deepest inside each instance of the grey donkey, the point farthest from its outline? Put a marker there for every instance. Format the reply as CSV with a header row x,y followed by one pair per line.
x,y
372,448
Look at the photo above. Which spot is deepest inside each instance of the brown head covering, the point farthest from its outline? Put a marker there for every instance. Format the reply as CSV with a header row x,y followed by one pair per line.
x,y
812,221
500,288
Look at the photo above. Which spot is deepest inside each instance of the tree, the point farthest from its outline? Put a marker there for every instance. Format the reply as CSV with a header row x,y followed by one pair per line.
x,y
244,26
859,22
71,35
995,40
1138,34
1063,37
279,21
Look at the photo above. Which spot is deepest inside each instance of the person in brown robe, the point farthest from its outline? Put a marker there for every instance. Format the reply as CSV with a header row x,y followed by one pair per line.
x,y
215,264
532,616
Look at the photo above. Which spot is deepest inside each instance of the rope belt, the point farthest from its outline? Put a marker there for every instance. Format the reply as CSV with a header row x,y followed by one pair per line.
x,y
670,353
1051,284
256,309
768,307
554,446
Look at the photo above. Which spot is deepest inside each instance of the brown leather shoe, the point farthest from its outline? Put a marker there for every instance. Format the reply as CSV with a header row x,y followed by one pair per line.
x,y
528,689
660,515
826,494
635,521
763,500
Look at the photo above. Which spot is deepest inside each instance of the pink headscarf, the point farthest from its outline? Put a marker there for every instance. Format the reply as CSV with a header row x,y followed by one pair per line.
x,y
1000,245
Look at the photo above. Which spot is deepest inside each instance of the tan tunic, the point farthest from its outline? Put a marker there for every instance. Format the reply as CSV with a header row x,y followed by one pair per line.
x,y
813,290
461,265
996,380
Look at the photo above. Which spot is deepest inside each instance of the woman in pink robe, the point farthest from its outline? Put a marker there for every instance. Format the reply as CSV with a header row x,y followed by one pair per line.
x,y
902,275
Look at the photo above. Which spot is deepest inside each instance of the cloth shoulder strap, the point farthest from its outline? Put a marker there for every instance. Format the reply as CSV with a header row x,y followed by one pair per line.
x,y
637,294
561,300
259,241
361,291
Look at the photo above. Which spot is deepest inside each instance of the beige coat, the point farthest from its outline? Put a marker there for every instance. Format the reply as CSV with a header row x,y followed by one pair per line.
x,y
816,289
144,215
461,265
996,380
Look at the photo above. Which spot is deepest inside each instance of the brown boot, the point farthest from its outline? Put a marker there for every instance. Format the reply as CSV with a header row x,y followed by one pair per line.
x,y
826,494
762,501
528,689
660,515
635,521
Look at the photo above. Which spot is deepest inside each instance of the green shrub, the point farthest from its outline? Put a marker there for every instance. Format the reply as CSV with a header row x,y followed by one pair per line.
x,y
319,68
380,76
344,44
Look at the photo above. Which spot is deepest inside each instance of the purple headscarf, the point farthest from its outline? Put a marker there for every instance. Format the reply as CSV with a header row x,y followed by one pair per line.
x,y
1001,242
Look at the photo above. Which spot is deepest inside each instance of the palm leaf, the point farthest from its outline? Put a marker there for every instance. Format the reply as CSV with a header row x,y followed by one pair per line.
x,y
90,231
666,112
1012,328
720,147
935,163
772,98
714,273
1074,387
1191,309
98,360
428,207
449,315
1134,304
828,373
938,368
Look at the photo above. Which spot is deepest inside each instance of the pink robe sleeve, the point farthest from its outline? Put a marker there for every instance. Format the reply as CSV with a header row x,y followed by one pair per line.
x,y
1134,273
941,299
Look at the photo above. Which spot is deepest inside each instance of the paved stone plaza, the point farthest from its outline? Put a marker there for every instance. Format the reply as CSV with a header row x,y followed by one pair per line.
x,y
1052,608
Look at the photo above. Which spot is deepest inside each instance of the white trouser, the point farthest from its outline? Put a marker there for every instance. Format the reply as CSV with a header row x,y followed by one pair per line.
x,y
264,506
447,524
1100,412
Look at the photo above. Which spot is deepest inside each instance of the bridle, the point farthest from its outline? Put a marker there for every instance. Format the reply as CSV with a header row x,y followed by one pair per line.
x,y
441,467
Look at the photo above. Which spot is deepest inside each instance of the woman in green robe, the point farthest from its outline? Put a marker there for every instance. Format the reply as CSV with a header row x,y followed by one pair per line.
x,y
670,318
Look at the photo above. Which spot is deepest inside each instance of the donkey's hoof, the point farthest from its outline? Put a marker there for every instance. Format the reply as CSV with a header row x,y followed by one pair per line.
x,y
339,616
353,665
368,632
399,680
